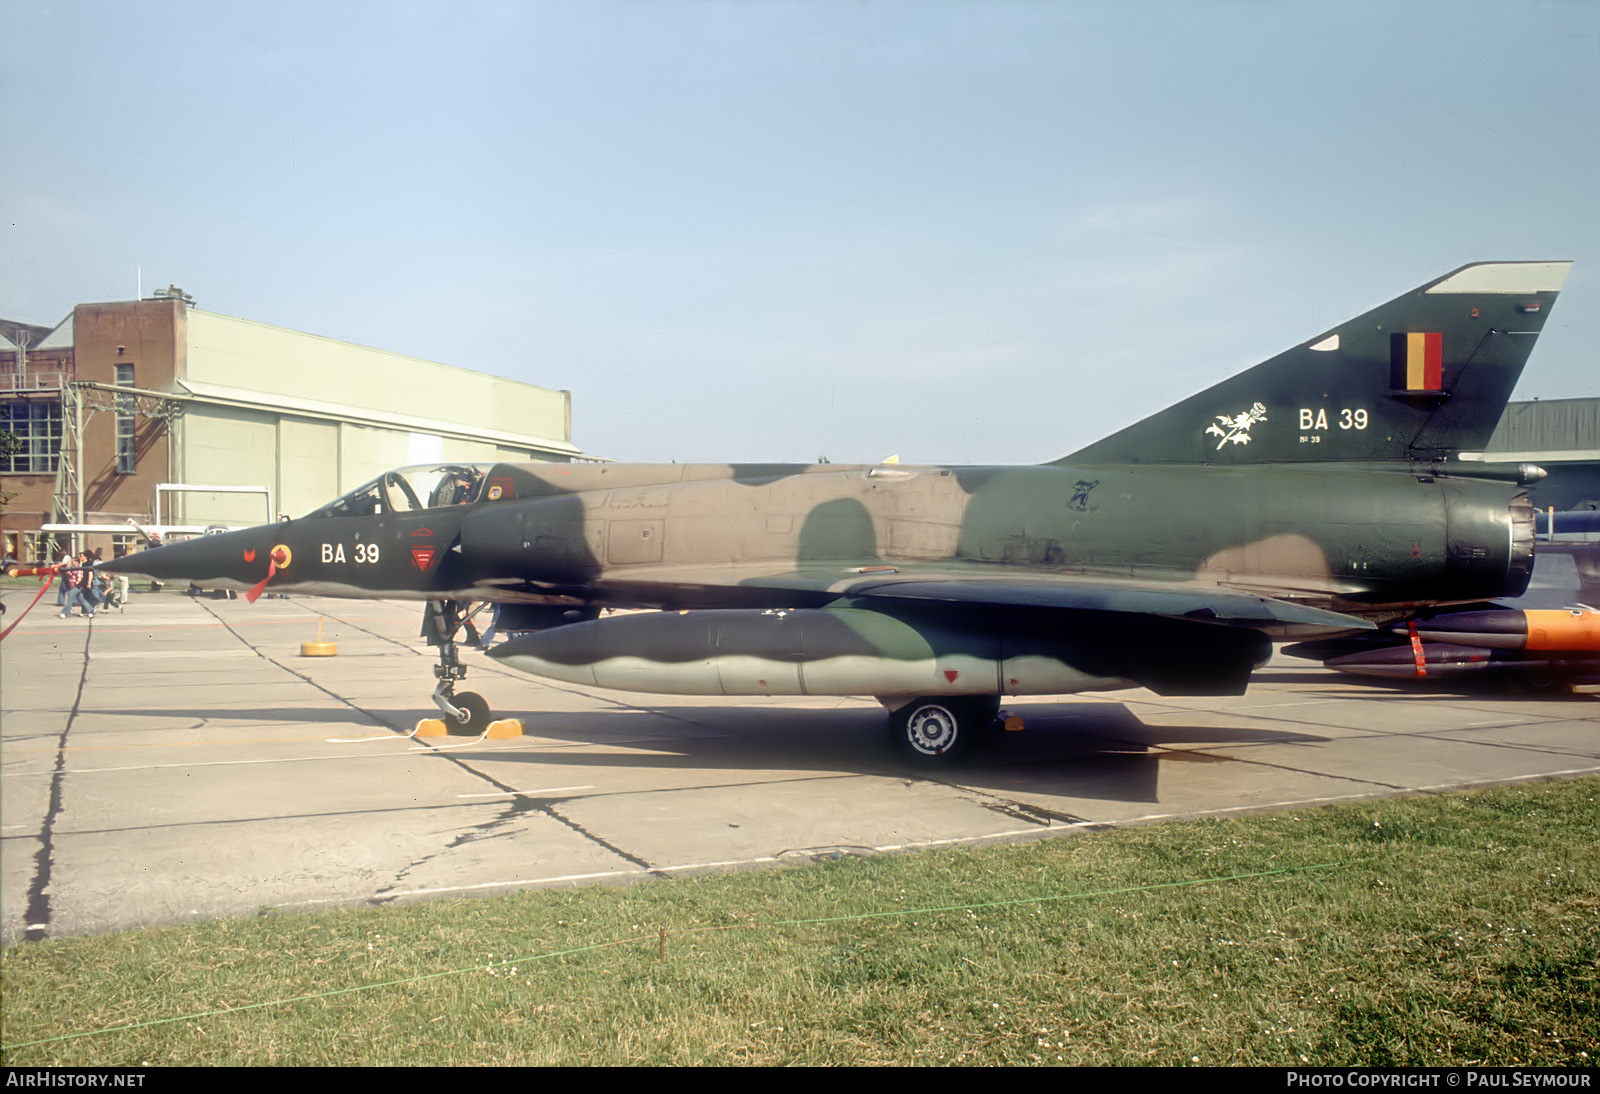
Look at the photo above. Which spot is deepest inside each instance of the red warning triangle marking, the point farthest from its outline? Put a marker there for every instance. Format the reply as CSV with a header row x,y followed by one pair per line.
x,y
422,556
950,675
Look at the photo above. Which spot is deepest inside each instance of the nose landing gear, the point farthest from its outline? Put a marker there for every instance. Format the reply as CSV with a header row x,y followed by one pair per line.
x,y
466,713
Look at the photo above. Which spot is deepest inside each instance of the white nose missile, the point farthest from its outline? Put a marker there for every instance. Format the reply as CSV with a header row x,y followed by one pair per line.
x,y
812,651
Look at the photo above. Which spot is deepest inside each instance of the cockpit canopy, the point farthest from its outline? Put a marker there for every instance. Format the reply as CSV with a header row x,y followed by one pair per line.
x,y
407,489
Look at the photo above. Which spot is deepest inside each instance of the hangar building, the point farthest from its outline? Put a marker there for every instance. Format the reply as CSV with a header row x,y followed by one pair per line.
x,y
121,397
1563,437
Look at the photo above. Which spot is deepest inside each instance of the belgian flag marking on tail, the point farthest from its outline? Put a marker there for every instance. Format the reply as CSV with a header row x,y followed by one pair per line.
x,y
1454,348
1416,361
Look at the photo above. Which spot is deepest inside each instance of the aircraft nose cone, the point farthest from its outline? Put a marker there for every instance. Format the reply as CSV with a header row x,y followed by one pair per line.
x,y
229,559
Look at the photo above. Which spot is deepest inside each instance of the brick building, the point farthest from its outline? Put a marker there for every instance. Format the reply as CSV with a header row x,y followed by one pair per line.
x,y
121,397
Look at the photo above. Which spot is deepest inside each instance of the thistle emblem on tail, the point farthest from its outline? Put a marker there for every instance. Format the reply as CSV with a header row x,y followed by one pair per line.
x,y
1237,428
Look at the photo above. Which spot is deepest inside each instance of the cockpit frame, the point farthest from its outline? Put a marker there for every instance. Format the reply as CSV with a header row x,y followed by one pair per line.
x,y
401,490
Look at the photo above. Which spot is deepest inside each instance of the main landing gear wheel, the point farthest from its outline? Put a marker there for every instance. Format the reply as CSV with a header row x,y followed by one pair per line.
x,y
1544,686
941,730
476,708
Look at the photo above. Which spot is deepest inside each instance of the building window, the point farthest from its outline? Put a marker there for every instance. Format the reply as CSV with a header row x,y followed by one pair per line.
x,y
125,421
38,426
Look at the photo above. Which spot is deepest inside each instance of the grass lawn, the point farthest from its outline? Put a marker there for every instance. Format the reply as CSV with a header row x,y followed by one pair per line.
x,y
1450,929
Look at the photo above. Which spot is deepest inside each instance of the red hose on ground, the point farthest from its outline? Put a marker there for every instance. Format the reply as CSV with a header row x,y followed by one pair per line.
x,y
44,587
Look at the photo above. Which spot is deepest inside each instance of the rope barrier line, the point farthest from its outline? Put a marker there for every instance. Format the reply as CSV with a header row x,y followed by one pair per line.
x,y
44,587
308,998
1049,899
660,938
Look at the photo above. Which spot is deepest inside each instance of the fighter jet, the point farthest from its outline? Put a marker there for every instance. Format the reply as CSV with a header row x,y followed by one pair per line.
x,y
1316,494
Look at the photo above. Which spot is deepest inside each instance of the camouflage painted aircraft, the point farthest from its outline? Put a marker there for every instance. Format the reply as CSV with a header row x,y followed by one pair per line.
x,y
1316,494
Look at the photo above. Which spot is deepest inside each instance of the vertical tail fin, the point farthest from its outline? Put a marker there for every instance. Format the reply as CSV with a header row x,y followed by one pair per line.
x,y
1420,378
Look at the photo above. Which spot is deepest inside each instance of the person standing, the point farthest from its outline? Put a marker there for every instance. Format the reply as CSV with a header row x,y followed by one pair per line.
x,y
93,594
77,590
63,585
121,597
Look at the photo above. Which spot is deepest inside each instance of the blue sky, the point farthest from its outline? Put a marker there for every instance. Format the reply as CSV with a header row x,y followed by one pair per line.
x,y
959,231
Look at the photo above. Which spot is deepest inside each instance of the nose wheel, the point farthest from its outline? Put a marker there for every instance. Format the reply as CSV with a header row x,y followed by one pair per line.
x,y
466,713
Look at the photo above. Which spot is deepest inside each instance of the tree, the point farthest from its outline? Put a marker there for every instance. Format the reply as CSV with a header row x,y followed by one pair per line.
x,y
10,445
